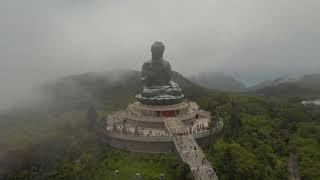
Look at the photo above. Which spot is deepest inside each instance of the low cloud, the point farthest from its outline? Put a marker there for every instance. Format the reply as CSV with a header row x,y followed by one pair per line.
x,y
254,40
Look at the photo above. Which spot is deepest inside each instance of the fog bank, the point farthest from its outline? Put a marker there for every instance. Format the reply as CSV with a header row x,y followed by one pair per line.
x,y
253,40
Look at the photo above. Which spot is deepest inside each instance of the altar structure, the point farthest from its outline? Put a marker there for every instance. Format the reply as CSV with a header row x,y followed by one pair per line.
x,y
163,121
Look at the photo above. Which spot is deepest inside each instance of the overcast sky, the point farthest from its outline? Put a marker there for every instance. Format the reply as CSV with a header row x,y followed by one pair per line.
x,y
251,39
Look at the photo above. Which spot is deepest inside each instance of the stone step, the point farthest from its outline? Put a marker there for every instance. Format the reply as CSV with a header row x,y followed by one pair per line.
x,y
189,151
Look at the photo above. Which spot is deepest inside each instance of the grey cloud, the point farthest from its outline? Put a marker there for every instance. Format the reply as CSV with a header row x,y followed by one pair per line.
x,y
46,39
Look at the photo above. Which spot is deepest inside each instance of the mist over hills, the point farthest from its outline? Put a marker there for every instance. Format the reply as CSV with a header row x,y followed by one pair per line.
x,y
306,86
275,81
219,81
62,104
55,135
110,88
290,85
44,132
104,88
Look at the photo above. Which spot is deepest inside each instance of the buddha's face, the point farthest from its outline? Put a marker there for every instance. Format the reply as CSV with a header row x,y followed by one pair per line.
x,y
157,50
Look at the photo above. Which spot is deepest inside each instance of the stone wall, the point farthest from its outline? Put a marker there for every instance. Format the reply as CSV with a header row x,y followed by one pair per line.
x,y
144,144
149,144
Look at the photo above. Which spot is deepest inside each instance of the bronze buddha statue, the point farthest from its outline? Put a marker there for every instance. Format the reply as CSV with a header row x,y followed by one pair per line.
x,y
159,89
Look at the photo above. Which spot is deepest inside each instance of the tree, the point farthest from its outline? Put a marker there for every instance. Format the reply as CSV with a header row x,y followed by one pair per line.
x,y
235,122
184,172
212,124
92,116
233,161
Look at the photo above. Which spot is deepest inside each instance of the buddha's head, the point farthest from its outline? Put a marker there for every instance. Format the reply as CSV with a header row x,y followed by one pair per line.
x,y
157,50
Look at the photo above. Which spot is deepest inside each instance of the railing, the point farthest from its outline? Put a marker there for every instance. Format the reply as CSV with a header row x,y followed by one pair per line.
x,y
159,119
205,170
205,161
186,145
116,119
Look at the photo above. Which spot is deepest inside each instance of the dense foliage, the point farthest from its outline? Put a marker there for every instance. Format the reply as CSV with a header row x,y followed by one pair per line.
x,y
259,135
70,151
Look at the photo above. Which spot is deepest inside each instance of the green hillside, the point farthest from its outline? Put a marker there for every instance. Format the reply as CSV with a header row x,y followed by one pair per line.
x,y
52,141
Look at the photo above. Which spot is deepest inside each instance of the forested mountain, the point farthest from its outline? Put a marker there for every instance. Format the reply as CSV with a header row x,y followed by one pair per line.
x,y
218,81
275,82
307,86
53,141
102,88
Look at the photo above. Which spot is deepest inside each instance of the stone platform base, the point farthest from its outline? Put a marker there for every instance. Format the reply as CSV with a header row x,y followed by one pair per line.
x,y
144,128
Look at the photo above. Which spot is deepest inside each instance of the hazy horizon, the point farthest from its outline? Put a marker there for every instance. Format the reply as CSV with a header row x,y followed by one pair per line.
x,y
252,40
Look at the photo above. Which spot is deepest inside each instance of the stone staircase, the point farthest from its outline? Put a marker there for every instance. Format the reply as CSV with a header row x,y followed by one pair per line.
x,y
189,151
